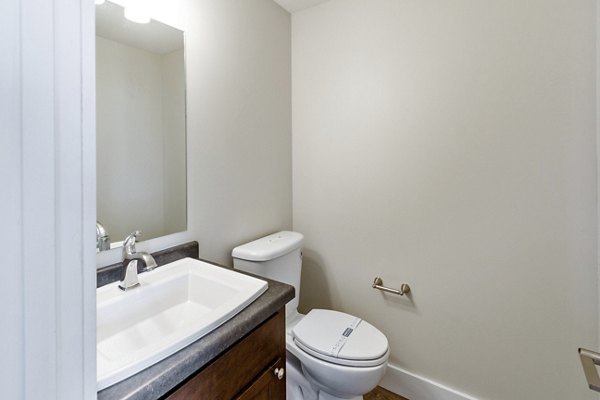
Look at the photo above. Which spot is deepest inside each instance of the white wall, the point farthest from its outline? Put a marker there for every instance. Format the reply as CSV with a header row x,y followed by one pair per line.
x,y
451,145
238,66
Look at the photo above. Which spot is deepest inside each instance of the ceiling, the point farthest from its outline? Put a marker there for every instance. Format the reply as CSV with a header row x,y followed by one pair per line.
x,y
297,5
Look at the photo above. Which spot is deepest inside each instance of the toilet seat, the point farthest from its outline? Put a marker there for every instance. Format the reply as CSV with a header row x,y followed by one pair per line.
x,y
340,338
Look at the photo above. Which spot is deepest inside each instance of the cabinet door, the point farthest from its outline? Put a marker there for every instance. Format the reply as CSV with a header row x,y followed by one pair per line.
x,y
240,366
269,386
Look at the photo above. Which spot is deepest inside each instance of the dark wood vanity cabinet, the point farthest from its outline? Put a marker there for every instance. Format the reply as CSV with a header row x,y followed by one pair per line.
x,y
249,370
268,386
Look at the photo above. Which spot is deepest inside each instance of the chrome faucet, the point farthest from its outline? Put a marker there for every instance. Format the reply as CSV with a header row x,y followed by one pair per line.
x,y
131,257
102,237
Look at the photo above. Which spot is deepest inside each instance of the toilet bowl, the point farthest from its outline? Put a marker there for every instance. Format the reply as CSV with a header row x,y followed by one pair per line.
x,y
331,355
340,354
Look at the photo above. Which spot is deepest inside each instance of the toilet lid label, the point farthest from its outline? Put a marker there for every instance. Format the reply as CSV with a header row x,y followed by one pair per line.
x,y
337,347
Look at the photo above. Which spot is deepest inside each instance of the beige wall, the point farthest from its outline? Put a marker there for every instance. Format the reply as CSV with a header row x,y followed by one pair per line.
x,y
239,123
129,112
451,145
174,151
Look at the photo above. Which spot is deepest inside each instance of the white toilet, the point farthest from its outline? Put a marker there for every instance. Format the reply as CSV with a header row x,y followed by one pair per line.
x,y
330,355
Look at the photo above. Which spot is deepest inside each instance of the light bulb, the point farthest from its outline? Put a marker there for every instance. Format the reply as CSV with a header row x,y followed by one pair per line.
x,y
137,14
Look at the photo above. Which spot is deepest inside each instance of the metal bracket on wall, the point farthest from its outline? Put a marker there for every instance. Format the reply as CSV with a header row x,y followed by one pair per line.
x,y
378,284
589,360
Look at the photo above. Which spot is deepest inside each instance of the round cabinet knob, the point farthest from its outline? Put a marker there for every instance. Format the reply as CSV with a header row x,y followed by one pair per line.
x,y
279,372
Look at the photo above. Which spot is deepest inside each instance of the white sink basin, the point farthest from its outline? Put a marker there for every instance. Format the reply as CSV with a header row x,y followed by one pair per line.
x,y
175,305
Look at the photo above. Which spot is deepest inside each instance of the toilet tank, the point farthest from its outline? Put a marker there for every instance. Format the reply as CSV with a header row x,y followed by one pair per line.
x,y
278,257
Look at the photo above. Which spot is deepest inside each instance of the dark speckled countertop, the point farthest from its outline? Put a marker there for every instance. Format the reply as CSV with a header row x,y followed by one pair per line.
x,y
161,378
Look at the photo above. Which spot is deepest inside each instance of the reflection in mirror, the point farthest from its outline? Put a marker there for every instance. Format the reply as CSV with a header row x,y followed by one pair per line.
x,y
140,126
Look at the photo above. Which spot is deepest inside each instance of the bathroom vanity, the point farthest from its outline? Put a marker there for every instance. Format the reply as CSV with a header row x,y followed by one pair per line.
x,y
242,359
248,370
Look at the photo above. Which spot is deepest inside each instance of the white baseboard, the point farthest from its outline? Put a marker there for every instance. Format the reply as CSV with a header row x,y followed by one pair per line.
x,y
415,387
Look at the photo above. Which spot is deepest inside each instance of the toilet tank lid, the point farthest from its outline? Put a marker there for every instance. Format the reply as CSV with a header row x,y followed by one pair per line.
x,y
269,247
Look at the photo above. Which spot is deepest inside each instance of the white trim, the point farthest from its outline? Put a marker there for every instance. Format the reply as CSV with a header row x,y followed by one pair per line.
x,y
38,203
88,220
415,387
11,286
48,289
598,159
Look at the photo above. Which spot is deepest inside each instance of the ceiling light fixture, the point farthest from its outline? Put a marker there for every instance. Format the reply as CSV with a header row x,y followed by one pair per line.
x,y
136,12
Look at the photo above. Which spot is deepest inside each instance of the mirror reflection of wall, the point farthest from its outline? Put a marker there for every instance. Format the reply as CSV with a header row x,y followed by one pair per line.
x,y
140,106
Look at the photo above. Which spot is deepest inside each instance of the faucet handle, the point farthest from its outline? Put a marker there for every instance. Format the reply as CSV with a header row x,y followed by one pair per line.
x,y
129,242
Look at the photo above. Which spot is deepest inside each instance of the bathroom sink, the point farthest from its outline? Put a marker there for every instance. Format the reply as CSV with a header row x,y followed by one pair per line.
x,y
175,305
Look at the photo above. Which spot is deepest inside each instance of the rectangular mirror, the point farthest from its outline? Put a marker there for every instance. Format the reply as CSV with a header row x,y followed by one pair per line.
x,y
140,127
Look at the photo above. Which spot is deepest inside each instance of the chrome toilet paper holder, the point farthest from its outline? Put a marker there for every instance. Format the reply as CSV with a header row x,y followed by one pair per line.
x,y
378,284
